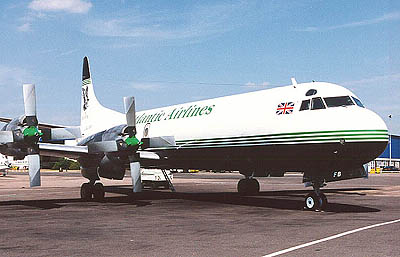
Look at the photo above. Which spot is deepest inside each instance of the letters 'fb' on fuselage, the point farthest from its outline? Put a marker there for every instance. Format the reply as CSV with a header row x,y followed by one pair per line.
x,y
300,127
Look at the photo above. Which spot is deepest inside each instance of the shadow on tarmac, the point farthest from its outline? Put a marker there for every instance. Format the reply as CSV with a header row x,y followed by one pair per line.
x,y
266,199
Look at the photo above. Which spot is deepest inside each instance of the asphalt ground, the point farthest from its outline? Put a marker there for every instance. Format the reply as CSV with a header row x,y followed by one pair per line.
x,y
205,217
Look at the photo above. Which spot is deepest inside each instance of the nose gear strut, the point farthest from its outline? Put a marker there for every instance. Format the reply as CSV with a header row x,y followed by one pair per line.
x,y
316,200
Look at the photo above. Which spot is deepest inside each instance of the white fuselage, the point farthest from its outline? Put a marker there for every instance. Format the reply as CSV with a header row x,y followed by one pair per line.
x,y
223,125
250,114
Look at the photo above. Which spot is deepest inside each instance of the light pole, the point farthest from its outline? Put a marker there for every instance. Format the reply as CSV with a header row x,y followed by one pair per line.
x,y
390,142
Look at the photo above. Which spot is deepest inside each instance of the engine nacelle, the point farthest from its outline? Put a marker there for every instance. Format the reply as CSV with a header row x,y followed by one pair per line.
x,y
17,148
111,167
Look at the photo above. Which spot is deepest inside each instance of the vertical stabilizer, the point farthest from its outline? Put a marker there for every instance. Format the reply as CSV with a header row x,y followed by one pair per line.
x,y
94,117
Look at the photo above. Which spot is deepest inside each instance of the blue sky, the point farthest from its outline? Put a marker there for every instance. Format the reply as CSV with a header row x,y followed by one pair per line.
x,y
168,52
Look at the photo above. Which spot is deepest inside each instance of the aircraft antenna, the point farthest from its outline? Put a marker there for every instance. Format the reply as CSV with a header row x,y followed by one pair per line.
x,y
294,82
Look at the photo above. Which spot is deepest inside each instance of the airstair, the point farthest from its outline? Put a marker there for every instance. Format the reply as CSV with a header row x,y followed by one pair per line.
x,y
171,186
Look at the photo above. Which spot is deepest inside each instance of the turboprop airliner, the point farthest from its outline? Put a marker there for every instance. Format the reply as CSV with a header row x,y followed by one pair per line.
x,y
320,129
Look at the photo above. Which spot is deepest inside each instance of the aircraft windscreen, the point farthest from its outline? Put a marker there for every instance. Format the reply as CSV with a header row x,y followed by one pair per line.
x,y
358,102
317,104
338,101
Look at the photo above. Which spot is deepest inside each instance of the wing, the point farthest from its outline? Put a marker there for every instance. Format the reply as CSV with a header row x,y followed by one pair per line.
x,y
40,125
75,152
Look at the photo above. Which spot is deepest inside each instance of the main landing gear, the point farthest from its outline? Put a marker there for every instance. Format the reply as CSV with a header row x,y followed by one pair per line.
x,y
248,186
316,200
92,190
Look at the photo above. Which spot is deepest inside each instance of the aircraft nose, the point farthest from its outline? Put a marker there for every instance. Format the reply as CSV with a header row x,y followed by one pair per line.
x,y
375,136
374,121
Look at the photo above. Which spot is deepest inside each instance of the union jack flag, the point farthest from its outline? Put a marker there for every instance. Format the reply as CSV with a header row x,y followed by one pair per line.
x,y
285,108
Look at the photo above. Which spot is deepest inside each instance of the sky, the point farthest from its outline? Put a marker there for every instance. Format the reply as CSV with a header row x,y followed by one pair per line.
x,y
170,52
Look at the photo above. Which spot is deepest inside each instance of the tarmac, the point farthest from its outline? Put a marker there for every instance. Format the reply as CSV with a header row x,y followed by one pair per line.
x,y
205,217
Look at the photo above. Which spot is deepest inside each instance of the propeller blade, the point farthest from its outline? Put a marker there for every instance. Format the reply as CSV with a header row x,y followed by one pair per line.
x,y
132,141
34,169
30,104
136,176
130,112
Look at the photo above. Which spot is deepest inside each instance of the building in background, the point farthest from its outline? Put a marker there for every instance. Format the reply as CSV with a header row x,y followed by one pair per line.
x,y
391,155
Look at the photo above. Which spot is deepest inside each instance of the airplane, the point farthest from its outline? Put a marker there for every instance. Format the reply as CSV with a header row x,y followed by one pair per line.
x,y
319,129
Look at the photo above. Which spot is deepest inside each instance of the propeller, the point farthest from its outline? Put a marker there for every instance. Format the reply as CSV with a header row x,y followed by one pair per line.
x,y
32,134
29,137
132,143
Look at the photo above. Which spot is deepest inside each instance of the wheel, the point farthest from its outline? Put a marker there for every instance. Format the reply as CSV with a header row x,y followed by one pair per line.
x,y
98,192
255,186
243,186
313,201
248,186
324,201
86,191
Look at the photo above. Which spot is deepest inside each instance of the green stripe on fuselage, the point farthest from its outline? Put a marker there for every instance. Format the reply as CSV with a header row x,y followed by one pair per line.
x,y
293,135
277,142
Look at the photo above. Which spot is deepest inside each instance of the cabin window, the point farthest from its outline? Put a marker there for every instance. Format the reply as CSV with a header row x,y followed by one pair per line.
x,y
358,102
317,104
305,105
311,92
338,101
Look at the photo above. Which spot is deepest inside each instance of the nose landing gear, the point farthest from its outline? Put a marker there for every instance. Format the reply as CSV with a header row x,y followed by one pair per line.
x,y
316,200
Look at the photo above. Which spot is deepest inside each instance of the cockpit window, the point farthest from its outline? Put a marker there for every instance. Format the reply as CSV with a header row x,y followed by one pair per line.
x,y
317,103
358,102
311,92
338,101
305,105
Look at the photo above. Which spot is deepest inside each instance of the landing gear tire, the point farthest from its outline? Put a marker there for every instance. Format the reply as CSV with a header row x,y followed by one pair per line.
x,y
98,192
324,201
312,202
86,191
248,186
315,202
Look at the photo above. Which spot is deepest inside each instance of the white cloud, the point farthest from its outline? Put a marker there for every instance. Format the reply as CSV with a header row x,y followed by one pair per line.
x,y
384,18
68,52
146,86
71,6
252,84
373,80
198,22
12,76
25,27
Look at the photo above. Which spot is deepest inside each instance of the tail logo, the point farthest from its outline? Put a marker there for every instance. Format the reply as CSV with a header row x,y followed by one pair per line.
x,y
85,93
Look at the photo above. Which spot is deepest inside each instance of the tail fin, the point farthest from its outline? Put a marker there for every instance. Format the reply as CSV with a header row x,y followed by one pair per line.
x,y
94,116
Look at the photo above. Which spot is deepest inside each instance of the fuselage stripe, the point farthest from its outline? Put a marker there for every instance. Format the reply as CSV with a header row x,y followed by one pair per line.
x,y
286,141
281,142
312,137
296,135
